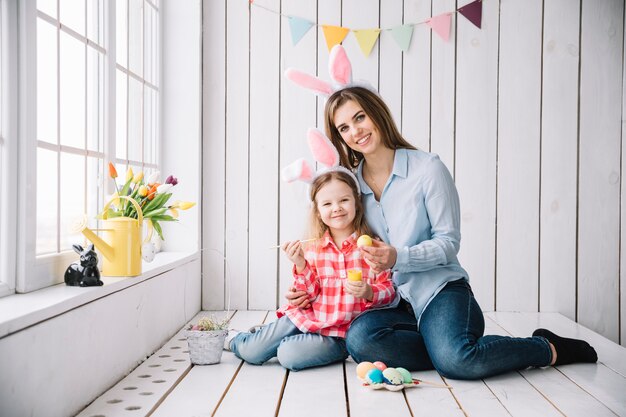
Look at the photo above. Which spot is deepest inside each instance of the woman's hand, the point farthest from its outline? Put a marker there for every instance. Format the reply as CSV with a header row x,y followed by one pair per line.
x,y
359,289
297,298
294,252
380,256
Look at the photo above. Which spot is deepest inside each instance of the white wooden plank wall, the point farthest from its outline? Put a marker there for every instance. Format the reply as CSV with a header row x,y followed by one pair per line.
x,y
527,113
599,166
559,157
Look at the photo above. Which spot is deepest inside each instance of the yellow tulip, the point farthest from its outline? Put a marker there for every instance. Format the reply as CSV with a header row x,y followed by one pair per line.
x,y
129,174
138,177
116,199
143,191
184,205
174,212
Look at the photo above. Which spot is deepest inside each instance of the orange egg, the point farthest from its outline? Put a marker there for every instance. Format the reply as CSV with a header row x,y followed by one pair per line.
x,y
363,368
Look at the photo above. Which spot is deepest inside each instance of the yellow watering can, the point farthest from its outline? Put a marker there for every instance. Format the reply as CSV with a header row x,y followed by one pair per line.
x,y
121,243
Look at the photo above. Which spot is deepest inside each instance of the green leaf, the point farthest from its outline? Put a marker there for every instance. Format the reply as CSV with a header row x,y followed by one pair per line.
x,y
157,227
109,213
164,218
155,212
157,202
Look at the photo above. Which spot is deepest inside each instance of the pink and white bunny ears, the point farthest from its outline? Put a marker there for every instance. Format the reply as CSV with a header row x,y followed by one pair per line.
x,y
340,71
321,147
323,152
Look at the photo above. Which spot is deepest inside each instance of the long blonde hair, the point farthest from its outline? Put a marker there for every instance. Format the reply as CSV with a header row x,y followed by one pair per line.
x,y
317,228
376,109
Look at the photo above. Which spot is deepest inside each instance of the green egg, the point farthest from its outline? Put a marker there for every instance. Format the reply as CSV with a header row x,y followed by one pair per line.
x,y
406,375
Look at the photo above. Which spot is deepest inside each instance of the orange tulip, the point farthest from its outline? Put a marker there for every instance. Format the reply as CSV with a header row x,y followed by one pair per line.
x,y
112,170
153,191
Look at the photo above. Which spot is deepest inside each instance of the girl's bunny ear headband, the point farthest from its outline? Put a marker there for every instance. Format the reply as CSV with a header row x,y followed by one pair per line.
x,y
323,152
340,71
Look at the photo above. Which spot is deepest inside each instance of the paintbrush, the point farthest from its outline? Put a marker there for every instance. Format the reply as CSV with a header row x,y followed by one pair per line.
x,y
302,241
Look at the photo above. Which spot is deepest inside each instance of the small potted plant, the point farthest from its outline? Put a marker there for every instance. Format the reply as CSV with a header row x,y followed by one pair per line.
x,y
206,340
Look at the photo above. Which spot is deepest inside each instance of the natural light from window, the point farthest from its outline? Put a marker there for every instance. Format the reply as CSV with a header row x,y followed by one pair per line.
x,y
73,120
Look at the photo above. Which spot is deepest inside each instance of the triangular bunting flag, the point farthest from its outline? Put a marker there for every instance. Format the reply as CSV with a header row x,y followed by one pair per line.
x,y
402,35
441,25
473,12
367,39
334,35
299,27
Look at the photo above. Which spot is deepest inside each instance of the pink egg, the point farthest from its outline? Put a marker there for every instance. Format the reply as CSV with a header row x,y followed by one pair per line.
x,y
380,365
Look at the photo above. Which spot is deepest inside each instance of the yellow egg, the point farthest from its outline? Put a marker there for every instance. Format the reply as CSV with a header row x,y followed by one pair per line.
x,y
363,368
354,275
364,240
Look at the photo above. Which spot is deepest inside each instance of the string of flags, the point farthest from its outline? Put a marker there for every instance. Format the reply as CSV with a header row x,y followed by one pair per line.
x,y
367,38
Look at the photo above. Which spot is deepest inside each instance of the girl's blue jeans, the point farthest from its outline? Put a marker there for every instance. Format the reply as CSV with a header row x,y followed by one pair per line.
x,y
294,349
450,339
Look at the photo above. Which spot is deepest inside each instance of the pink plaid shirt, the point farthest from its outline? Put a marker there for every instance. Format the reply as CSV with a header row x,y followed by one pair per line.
x,y
332,308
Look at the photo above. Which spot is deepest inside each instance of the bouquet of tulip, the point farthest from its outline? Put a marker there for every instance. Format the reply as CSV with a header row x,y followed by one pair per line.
x,y
149,194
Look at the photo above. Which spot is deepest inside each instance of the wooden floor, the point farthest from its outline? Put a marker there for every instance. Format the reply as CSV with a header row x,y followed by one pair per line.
x,y
167,385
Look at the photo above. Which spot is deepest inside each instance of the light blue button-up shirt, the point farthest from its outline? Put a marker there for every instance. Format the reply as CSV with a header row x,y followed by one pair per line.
x,y
419,215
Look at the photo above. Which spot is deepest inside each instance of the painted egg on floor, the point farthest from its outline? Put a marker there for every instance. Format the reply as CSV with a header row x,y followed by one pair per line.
x,y
374,376
380,365
392,376
407,378
363,368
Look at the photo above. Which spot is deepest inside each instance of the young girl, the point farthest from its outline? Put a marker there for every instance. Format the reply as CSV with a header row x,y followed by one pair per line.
x,y
306,337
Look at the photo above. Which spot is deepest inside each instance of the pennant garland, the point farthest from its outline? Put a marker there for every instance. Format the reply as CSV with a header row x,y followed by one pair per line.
x,y
441,25
334,35
402,35
367,38
473,12
299,27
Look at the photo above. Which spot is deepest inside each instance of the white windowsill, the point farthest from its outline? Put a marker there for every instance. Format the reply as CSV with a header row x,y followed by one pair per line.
x,y
20,311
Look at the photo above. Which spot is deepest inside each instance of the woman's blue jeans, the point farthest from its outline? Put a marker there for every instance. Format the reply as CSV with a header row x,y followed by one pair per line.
x,y
294,349
450,339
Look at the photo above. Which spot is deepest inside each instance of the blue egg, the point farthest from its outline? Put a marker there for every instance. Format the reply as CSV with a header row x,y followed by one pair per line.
x,y
374,376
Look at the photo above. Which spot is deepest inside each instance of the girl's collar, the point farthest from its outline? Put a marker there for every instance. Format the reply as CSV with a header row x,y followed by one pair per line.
x,y
327,239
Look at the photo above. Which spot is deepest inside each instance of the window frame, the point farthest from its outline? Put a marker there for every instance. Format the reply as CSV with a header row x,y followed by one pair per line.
x,y
34,271
8,156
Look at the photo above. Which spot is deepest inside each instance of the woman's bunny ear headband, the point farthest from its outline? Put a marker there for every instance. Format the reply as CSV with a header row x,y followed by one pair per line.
x,y
321,147
340,71
323,152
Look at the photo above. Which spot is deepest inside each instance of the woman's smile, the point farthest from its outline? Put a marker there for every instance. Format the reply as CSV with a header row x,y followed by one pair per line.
x,y
363,140
356,128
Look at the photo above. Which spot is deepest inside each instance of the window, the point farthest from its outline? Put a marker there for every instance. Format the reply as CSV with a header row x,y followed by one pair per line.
x,y
96,100
70,117
137,92
8,145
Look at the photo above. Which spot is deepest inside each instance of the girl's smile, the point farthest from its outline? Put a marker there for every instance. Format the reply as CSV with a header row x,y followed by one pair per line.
x,y
336,207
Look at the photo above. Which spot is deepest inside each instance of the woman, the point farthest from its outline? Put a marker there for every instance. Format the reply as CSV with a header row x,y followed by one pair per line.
x,y
412,204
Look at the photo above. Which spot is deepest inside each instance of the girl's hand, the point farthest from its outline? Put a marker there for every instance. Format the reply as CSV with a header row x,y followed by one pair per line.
x,y
294,252
359,289
297,298
380,256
